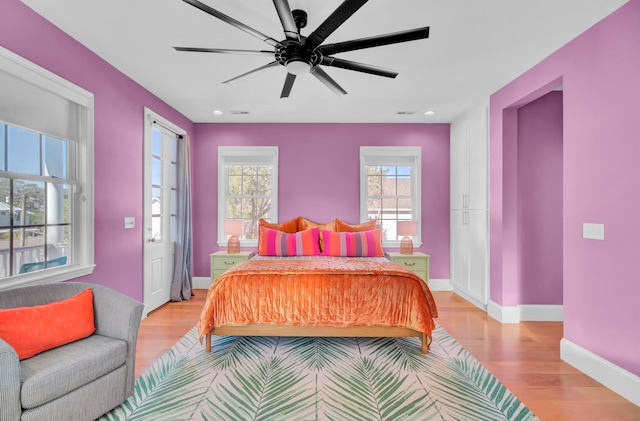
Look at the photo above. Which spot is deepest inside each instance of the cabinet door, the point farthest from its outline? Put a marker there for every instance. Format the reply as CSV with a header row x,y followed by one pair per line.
x,y
459,165
477,239
478,159
459,250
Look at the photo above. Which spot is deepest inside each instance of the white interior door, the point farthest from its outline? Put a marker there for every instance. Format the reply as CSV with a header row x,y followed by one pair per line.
x,y
159,185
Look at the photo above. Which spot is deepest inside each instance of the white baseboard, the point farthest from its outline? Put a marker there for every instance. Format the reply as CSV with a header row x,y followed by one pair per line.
x,y
526,313
503,314
541,313
619,380
440,285
201,282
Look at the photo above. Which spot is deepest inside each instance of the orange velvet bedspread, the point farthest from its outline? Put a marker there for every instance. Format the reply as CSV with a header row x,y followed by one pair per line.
x,y
334,292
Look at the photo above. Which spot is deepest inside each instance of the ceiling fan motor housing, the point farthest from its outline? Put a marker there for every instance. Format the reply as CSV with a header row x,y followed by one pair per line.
x,y
292,51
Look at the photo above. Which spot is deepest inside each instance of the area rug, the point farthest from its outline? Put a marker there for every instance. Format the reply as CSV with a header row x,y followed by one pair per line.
x,y
277,378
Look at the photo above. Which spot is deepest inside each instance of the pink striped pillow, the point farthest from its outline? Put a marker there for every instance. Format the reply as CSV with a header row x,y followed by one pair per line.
x,y
278,243
353,244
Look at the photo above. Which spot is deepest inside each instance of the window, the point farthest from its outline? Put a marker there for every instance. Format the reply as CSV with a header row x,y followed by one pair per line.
x,y
247,189
46,175
164,156
390,189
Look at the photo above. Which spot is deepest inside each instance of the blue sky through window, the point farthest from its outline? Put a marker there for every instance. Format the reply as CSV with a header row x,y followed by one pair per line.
x,y
393,170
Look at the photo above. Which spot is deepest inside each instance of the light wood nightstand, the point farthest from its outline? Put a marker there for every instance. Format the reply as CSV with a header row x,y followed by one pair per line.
x,y
221,261
417,262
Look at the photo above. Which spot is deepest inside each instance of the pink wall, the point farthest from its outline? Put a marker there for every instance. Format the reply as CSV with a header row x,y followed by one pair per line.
x,y
540,200
119,107
600,168
319,176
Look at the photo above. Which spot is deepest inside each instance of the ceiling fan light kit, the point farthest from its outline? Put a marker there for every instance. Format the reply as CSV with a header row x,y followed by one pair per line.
x,y
298,67
301,55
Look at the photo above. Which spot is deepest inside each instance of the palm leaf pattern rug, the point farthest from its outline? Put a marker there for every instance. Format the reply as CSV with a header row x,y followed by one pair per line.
x,y
278,378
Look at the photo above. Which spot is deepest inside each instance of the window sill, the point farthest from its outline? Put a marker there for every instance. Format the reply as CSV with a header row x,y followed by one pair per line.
x,y
243,244
46,277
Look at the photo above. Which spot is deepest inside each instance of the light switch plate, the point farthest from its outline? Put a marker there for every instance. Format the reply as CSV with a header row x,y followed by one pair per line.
x,y
129,222
593,231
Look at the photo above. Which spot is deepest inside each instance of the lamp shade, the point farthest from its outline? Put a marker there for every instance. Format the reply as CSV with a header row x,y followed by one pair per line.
x,y
407,228
233,226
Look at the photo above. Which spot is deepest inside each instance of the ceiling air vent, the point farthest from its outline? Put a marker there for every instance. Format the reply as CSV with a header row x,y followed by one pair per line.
x,y
239,112
406,112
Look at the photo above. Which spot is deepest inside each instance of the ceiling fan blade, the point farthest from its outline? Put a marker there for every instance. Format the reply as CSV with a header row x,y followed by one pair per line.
x,y
358,67
288,84
231,21
333,22
266,66
225,51
323,77
375,41
286,18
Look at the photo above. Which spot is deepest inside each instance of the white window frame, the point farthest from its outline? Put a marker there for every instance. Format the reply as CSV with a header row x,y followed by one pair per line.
x,y
394,155
248,155
81,255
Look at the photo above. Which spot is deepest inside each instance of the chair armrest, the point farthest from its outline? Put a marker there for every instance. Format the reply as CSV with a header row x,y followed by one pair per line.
x,y
118,316
10,407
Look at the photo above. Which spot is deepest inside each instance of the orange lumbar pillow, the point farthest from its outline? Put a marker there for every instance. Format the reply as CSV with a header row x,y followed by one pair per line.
x,y
31,330
342,226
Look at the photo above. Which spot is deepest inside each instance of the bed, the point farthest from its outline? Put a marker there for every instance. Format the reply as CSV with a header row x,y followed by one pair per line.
x,y
318,295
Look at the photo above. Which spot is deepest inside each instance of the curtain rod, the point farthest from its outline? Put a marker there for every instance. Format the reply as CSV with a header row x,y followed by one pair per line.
x,y
172,130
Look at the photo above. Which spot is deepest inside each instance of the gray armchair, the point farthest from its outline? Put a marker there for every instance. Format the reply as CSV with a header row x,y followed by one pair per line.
x,y
78,381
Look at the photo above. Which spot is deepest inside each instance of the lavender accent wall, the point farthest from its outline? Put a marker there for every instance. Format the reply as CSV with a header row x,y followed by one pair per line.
x,y
119,108
540,200
601,175
319,176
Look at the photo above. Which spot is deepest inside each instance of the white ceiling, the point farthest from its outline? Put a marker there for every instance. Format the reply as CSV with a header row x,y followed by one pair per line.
x,y
475,47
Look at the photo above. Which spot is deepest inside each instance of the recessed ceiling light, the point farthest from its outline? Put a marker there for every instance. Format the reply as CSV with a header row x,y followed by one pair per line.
x,y
217,112
429,112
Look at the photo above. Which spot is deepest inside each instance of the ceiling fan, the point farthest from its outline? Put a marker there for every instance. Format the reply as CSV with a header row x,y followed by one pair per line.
x,y
301,55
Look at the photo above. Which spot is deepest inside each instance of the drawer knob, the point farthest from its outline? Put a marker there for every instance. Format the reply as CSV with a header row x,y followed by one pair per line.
x,y
229,263
410,264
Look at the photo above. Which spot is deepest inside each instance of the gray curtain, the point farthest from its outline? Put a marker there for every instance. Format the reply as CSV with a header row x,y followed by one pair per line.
x,y
182,286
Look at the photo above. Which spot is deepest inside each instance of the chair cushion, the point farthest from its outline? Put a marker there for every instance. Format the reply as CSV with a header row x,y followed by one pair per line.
x,y
58,371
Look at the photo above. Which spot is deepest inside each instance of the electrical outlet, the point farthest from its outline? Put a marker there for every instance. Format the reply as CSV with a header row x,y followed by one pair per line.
x,y
593,231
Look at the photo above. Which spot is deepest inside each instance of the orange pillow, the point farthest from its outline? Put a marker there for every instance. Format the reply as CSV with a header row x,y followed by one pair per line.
x,y
305,224
290,227
32,330
342,226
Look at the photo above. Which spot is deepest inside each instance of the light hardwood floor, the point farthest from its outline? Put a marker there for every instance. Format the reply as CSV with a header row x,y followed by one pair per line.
x,y
525,357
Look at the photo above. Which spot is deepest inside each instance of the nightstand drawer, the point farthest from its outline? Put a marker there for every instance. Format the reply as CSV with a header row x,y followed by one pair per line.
x,y
422,274
417,262
226,261
216,273
221,261
413,263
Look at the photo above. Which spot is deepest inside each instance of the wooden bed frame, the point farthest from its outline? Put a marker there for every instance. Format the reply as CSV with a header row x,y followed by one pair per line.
x,y
319,331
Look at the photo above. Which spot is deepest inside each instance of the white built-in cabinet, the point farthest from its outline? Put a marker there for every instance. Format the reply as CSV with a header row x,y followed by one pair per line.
x,y
470,206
